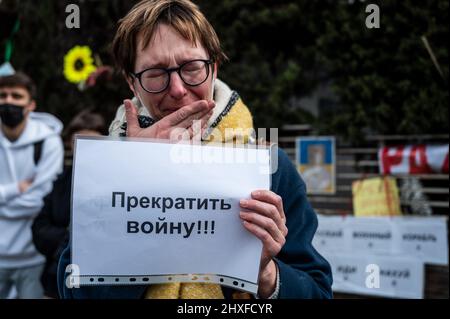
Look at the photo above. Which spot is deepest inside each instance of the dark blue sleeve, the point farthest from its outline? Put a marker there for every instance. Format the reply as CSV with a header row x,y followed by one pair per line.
x,y
304,273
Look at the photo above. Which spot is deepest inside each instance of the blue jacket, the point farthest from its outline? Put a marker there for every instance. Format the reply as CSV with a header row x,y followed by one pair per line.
x,y
304,273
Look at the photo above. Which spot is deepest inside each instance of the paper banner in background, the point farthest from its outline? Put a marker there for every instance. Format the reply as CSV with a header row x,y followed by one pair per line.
x,y
424,238
316,163
396,277
413,159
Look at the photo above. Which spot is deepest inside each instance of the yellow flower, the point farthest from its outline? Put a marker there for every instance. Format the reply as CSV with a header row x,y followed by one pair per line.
x,y
78,64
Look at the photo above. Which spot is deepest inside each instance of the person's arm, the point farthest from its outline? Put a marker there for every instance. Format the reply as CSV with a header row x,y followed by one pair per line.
x,y
271,215
285,223
28,204
11,190
303,272
8,191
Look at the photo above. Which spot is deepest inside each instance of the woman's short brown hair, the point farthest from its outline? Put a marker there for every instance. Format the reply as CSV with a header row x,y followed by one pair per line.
x,y
183,15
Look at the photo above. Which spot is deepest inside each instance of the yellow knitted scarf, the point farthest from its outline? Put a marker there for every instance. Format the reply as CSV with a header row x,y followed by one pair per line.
x,y
238,116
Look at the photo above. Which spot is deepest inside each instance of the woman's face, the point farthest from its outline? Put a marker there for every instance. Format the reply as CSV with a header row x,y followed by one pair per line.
x,y
169,49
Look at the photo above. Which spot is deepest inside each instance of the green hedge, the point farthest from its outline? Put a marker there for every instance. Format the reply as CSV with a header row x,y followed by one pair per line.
x,y
384,79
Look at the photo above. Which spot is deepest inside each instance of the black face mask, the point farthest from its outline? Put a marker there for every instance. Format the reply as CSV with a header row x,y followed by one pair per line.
x,y
11,115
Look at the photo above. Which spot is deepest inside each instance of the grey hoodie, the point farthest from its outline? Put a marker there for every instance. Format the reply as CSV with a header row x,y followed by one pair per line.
x,y
17,210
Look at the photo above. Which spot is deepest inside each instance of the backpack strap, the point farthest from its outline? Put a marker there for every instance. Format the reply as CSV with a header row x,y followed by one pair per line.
x,y
37,151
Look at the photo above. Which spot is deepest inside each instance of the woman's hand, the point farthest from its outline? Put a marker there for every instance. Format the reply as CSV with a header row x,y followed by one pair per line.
x,y
263,216
171,126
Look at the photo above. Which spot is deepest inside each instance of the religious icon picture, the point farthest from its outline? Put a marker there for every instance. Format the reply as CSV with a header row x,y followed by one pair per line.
x,y
316,163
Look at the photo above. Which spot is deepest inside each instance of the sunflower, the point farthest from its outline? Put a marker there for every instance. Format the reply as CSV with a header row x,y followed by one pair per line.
x,y
78,64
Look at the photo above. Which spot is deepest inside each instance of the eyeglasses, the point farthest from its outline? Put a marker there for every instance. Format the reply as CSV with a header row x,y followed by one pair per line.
x,y
156,80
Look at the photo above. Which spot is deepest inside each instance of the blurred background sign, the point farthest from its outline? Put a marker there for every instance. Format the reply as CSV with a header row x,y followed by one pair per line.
x,y
316,164
413,159
376,196
399,247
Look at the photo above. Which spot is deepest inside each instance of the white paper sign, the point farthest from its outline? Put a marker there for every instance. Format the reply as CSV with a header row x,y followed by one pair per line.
x,y
424,238
397,277
146,212
371,235
331,235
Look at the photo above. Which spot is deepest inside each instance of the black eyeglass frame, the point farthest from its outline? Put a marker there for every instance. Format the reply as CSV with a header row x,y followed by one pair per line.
x,y
169,72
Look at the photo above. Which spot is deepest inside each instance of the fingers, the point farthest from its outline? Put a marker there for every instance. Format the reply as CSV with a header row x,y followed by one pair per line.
x,y
187,114
132,118
264,217
182,118
268,204
199,126
265,230
265,223
204,120
271,198
190,120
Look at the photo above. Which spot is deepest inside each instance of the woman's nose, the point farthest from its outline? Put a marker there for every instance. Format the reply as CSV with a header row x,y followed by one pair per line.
x,y
177,87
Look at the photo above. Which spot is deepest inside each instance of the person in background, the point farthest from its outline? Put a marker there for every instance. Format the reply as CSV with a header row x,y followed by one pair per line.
x,y
31,156
51,226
